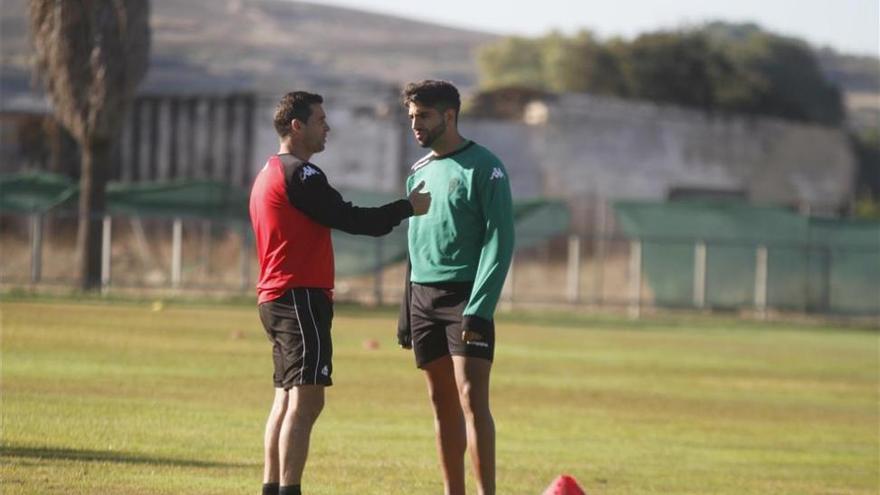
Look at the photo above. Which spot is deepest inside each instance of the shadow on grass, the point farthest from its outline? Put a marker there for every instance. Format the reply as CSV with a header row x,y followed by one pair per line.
x,y
107,456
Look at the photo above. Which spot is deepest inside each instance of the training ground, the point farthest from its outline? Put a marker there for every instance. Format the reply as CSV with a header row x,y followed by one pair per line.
x,y
138,397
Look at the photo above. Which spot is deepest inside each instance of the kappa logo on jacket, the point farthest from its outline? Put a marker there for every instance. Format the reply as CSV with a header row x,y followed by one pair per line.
x,y
308,171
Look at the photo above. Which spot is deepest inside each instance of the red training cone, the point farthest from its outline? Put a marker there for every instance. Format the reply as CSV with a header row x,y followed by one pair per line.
x,y
564,485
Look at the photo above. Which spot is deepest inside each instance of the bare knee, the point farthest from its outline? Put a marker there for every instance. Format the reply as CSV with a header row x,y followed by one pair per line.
x,y
279,408
309,413
474,403
441,386
440,398
275,420
305,412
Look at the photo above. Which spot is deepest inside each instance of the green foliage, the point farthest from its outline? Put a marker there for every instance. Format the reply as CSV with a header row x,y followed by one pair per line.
x,y
680,68
513,61
726,67
126,399
790,83
564,61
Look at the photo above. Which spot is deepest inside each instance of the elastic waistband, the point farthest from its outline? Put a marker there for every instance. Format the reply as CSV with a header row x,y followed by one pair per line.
x,y
451,286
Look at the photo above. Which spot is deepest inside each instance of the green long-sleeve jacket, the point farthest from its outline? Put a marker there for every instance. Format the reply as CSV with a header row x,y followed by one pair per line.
x,y
467,235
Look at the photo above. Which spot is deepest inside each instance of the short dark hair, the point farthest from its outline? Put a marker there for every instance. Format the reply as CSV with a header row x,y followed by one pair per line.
x,y
441,95
294,105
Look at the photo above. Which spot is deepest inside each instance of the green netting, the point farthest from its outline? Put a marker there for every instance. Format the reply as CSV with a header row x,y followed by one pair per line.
x,y
41,191
192,198
848,264
536,221
34,192
812,264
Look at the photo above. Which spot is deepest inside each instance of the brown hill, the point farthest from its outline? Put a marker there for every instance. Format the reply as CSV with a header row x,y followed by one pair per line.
x,y
268,45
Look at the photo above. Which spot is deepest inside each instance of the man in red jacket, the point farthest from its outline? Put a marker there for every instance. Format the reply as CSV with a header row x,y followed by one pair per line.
x,y
292,209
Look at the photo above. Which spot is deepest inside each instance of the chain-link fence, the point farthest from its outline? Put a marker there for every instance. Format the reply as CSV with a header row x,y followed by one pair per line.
x,y
707,255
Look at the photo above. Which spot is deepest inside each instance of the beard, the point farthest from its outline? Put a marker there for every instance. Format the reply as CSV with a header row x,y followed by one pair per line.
x,y
431,135
317,144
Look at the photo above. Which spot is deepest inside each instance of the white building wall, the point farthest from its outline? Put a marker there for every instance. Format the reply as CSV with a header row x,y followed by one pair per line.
x,y
607,147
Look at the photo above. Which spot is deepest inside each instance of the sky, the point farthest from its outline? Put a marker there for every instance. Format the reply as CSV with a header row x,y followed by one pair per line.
x,y
848,26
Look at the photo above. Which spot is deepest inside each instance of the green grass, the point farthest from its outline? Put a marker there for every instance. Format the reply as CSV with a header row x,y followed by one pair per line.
x,y
120,399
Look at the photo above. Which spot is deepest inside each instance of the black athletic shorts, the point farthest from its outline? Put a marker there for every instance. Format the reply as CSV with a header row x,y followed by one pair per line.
x,y
435,318
298,325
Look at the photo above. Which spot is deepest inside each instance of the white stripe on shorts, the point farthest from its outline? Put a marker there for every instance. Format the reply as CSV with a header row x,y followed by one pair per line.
x,y
317,335
302,370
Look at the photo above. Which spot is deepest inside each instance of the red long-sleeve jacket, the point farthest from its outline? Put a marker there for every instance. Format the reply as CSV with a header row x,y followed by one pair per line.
x,y
292,209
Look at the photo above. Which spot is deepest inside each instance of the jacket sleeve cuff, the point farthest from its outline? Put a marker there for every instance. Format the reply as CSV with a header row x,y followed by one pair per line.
x,y
405,208
476,323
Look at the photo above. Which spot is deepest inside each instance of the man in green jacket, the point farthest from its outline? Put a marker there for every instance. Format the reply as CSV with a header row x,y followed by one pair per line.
x,y
460,252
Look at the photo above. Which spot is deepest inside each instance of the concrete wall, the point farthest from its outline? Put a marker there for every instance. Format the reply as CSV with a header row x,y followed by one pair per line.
x,y
577,147
581,145
638,150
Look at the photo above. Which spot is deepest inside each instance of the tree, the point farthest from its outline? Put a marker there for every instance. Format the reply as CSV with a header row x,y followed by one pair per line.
x,y
90,55
717,67
606,71
792,84
678,68
781,76
565,62
513,61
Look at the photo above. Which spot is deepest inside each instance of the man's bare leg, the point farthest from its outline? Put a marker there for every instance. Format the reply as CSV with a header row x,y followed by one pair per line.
x,y
448,423
304,405
472,377
270,439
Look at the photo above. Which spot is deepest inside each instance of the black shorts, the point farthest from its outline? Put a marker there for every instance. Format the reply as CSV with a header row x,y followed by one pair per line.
x,y
435,318
298,325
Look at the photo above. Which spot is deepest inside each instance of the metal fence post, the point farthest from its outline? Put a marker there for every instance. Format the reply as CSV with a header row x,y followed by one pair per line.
x,y
761,281
827,260
574,269
36,247
635,278
106,246
176,252
599,246
700,274
206,247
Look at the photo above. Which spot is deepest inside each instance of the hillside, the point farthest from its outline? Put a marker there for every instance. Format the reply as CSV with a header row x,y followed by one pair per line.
x,y
859,78
270,45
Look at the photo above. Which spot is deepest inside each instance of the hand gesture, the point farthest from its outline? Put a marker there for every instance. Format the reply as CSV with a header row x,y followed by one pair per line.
x,y
420,201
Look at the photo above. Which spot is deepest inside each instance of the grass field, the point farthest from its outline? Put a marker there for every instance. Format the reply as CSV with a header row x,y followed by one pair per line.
x,y
121,399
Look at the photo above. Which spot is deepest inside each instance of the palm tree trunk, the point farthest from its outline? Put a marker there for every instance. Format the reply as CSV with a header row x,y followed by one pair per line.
x,y
93,184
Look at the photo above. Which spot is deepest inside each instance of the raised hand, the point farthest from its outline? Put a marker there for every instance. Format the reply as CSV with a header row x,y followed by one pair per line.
x,y
421,201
